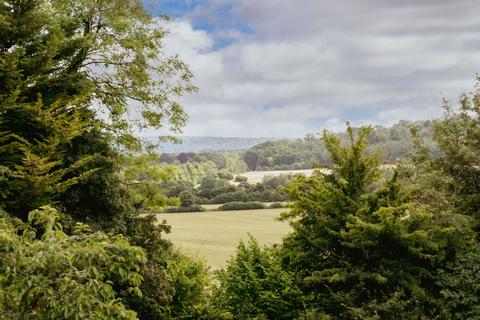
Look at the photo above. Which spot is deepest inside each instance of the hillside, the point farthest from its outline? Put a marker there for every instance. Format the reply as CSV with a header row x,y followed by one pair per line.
x,y
391,143
213,144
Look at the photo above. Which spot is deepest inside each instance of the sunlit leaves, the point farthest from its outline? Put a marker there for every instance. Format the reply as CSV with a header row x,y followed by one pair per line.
x,y
47,274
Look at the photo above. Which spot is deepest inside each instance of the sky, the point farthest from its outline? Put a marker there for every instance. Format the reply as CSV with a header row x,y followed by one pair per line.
x,y
284,68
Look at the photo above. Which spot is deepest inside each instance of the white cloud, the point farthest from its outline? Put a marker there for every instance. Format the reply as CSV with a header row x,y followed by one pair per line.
x,y
308,64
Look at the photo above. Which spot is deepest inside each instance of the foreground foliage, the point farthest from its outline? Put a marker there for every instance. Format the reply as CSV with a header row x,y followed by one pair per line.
x,y
364,252
254,285
47,274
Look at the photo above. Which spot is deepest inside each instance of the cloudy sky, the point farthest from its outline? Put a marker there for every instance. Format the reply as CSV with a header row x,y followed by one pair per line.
x,y
284,68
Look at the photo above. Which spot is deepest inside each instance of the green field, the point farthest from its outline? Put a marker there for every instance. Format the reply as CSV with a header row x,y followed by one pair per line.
x,y
214,235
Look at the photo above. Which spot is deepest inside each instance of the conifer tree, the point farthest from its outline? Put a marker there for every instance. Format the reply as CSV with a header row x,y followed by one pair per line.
x,y
34,159
362,250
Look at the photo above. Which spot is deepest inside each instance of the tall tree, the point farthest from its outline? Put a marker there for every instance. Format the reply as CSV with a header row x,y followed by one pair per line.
x,y
458,137
362,249
110,50
100,63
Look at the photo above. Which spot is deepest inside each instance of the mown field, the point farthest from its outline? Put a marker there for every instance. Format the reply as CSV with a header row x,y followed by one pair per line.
x,y
214,235
257,176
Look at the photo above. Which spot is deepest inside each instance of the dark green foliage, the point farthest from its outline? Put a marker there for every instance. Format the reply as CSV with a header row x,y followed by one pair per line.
x,y
187,199
364,252
35,157
56,150
242,206
458,137
232,196
225,175
460,283
157,291
213,190
192,208
190,278
240,179
254,285
36,54
101,196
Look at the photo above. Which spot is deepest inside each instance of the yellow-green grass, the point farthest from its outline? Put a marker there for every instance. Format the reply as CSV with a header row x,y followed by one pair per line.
x,y
257,176
214,235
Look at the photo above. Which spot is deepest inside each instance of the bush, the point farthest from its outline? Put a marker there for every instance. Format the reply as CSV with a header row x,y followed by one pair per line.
x,y
192,208
276,205
225,175
190,279
254,285
236,196
242,206
48,274
241,179
187,199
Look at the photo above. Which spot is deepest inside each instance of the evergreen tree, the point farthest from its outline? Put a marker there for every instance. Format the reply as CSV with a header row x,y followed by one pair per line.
x,y
254,285
361,250
34,159
458,137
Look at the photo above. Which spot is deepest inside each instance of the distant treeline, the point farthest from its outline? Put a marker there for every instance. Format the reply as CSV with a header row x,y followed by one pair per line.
x,y
392,144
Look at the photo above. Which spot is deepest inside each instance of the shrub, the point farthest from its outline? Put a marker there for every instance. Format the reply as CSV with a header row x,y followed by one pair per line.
x,y
189,277
47,274
254,285
241,179
225,175
242,206
192,208
187,199
239,195
276,205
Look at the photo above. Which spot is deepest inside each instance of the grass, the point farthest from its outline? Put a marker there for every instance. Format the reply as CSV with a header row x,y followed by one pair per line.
x,y
214,235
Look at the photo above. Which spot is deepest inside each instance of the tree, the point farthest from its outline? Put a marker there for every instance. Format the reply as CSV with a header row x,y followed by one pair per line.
x,y
97,65
460,283
109,50
35,159
190,279
187,199
48,274
447,181
458,136
254,285
361,250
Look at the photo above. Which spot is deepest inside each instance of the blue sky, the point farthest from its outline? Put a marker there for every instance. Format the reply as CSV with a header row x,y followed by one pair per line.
x,y
280,68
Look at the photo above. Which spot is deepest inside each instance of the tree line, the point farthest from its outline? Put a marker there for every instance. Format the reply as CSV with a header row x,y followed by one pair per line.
x,y
392,144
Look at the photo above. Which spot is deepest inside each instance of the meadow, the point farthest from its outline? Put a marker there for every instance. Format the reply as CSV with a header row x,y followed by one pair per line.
x,y
214,235
257,176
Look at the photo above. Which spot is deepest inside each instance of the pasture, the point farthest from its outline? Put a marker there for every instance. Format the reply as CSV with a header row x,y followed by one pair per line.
x,y
257,176
214,235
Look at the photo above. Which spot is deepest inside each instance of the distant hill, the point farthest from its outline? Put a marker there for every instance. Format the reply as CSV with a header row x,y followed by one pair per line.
x,y
205,144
